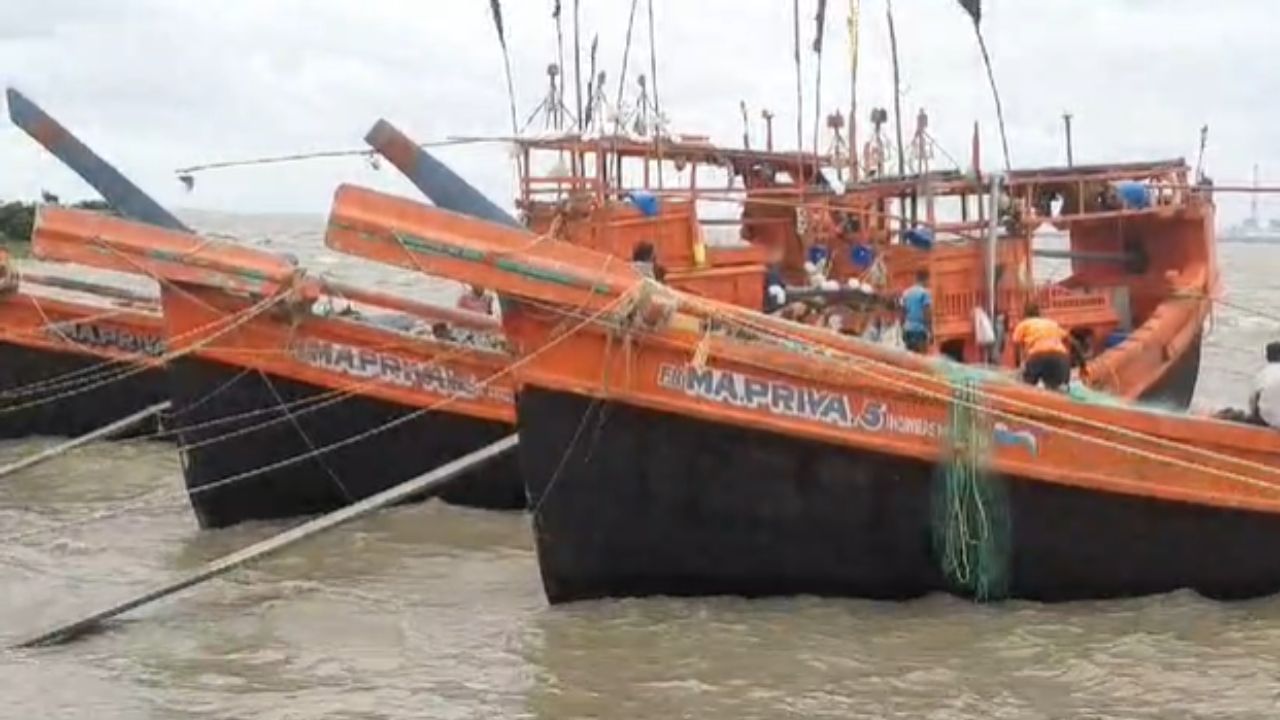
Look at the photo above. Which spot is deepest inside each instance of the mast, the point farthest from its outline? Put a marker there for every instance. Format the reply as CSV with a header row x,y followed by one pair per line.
x,y
577,62
555,15
897,92
799,79
853,90
821,21
993,240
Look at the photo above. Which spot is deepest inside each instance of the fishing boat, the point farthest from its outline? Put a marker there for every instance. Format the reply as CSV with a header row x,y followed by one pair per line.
x,y
676,445
295,395
75,355
298,412
1140,242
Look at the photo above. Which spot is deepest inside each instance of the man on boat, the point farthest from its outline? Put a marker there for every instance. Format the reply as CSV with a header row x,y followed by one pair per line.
x,y
644,258
775,286
917,314
1042,349
476,300
1264,401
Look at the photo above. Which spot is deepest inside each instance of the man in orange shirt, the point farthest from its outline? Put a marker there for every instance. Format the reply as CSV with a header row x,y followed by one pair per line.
x,y
1041,346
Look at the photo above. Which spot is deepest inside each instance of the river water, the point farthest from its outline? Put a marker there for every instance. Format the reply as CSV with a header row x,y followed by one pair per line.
x,y
435,611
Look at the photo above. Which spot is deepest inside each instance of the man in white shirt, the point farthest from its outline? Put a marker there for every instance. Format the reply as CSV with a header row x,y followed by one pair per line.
x,y
1264,401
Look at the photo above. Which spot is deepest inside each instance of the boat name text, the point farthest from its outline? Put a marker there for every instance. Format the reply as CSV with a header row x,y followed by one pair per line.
x,y
108,336
367,364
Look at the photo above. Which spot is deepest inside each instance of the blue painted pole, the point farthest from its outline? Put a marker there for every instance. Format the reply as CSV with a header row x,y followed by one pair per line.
x,y
441,185
125,197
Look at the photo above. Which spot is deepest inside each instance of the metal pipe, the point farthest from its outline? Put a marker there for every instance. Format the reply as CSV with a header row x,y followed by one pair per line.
x,y
1083,255
423,485
993,230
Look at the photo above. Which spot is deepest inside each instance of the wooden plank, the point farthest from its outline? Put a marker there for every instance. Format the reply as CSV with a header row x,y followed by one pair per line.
x,y
428,483
105,431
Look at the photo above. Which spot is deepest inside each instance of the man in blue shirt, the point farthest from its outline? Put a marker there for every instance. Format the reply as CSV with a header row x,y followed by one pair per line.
x,y
917,314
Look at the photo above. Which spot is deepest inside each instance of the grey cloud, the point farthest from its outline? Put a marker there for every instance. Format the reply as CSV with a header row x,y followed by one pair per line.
x,y
159,84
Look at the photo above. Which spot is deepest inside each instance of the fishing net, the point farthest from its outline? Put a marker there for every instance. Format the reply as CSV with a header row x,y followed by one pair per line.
x,y
971,527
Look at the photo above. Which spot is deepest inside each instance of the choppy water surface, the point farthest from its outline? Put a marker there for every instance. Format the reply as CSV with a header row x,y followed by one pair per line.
x,y
432,611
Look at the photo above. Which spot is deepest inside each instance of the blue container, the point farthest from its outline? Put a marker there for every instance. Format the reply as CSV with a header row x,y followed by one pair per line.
x,y
862,256
919,237
818,254
1134,195
646,203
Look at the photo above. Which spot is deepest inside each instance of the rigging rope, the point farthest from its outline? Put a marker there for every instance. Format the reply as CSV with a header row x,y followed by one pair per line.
x,y
553,342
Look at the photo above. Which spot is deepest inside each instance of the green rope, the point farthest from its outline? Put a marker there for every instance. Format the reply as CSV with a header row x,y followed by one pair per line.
x,y
971,528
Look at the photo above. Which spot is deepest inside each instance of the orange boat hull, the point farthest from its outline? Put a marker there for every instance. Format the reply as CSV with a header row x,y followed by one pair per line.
x,y
756,475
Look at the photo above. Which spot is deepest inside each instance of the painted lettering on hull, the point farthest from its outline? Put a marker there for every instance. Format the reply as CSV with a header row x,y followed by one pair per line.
x,y
366,364
778,398
785,399
112,337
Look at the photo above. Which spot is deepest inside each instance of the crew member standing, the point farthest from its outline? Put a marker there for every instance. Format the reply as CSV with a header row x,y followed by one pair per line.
x,y
1042,349
917,314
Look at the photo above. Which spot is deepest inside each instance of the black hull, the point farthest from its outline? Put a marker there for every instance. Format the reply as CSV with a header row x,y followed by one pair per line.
x,y
648,503
206,391
1178,385
78,393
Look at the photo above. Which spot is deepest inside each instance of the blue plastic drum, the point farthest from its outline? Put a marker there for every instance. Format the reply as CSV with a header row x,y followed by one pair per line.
x,y
919,237
862,256
1133,195
646,203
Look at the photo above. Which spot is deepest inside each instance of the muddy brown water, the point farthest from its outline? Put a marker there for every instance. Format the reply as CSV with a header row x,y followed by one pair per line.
x,y
434,611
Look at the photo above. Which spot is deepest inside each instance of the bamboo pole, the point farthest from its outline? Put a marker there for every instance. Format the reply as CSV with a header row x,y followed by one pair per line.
x,y
428,483
105,431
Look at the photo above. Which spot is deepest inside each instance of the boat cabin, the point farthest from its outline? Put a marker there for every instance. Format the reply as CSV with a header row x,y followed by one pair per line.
x,y
1131,238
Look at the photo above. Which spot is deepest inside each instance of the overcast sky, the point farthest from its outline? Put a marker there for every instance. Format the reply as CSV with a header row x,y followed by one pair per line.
x,y
158,84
